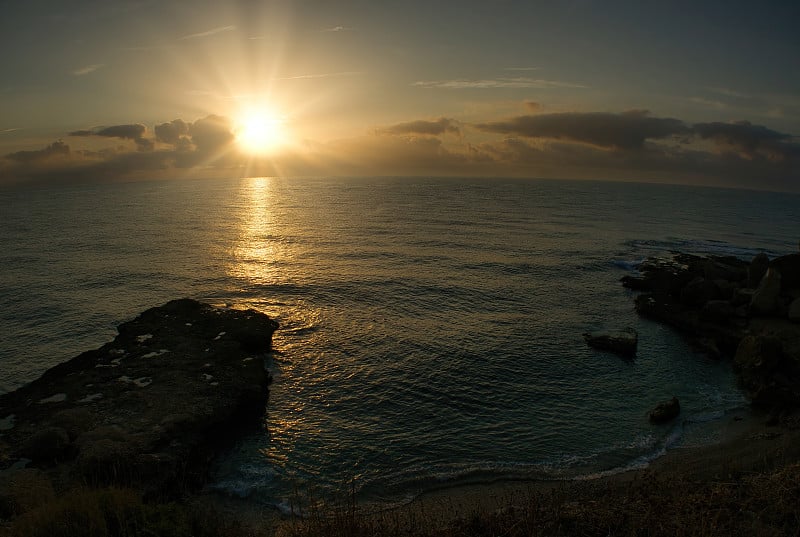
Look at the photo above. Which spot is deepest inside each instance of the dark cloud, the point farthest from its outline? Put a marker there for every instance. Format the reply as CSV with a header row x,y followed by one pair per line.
x,y
135,132
442,125
627,130
748,140
533,106
211,133
567,145
173,132
54,150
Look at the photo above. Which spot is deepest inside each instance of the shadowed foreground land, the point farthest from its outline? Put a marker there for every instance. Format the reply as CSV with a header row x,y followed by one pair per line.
x,y
747,486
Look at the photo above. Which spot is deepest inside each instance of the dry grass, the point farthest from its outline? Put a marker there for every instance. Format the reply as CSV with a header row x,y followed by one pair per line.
x,y
115,512
757,504
761,503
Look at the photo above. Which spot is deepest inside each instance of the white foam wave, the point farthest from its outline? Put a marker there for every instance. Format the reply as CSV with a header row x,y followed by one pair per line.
x,y
700,246
630,265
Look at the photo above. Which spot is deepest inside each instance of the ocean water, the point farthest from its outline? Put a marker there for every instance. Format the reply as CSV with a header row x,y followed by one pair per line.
x,y
431,328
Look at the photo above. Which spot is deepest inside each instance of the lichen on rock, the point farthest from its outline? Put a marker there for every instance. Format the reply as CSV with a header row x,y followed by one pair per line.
x,y
130,413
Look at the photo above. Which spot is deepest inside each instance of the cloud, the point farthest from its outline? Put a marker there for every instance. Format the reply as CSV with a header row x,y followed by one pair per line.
x,y
533,106
440,126
750,141
630,145
208,33
135,132
55,150
516,82
627,130
321,75
211,133
172,132
521,69
88,69
336,29
710,103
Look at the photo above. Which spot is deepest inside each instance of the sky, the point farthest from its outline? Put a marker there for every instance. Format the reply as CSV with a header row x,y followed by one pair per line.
x,y
703,93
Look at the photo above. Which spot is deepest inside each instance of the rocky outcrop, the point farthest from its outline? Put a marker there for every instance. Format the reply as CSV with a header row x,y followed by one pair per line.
x,y
148,410
794,311
733,309
665,411
766,372
766,297
622,342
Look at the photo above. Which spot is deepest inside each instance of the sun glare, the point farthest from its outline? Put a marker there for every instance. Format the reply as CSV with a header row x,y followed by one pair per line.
x,y
259,131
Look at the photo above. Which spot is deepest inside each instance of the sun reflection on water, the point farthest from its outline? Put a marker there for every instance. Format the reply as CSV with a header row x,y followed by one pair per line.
x,y
257,252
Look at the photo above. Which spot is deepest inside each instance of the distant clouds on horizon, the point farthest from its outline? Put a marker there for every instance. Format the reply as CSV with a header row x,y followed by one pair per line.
x,y
628,145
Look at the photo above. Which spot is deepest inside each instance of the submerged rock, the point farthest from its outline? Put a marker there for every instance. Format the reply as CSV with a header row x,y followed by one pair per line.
x,y
622,342
665,411
150,408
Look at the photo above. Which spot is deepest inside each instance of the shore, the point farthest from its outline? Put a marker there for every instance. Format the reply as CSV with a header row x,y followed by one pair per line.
x,y
744,443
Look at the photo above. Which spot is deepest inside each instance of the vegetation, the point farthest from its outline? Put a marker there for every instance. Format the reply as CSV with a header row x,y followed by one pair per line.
x,y
744,504
755,504
116,512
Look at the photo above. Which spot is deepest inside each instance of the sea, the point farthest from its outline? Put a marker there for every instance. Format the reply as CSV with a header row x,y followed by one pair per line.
x,y
431,329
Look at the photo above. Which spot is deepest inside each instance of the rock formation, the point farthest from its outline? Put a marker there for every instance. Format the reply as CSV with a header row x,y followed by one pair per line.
x,y
666,411
622,342
733,309
148,410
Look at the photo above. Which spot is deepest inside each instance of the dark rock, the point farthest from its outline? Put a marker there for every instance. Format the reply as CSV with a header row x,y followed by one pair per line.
x,y
663,275
706,345
151,408
769,376
665,308
721,311
666,411
622,342
729,269
758,267
789,267
636,283
751,326
765,297
742,297
794,311
699,291
726,289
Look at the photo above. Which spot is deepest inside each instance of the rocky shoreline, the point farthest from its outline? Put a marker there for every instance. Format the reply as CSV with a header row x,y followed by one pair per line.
x,y
748,312
147,411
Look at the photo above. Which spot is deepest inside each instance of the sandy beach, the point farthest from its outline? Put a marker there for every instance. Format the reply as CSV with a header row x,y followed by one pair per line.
x,y
742,442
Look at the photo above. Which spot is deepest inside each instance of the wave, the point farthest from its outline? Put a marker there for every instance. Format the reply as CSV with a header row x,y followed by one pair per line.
x,y
700,247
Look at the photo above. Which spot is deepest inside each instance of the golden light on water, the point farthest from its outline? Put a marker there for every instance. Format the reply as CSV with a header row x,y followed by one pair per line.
x,y
254,253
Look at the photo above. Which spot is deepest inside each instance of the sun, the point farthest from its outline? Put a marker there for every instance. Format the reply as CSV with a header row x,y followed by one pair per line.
x,y
259,131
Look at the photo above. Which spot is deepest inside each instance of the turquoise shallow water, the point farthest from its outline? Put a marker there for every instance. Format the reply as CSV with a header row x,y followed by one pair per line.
x,y
431,327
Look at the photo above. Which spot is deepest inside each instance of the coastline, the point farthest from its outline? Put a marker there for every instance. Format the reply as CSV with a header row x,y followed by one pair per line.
x,y
744,484
746,443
